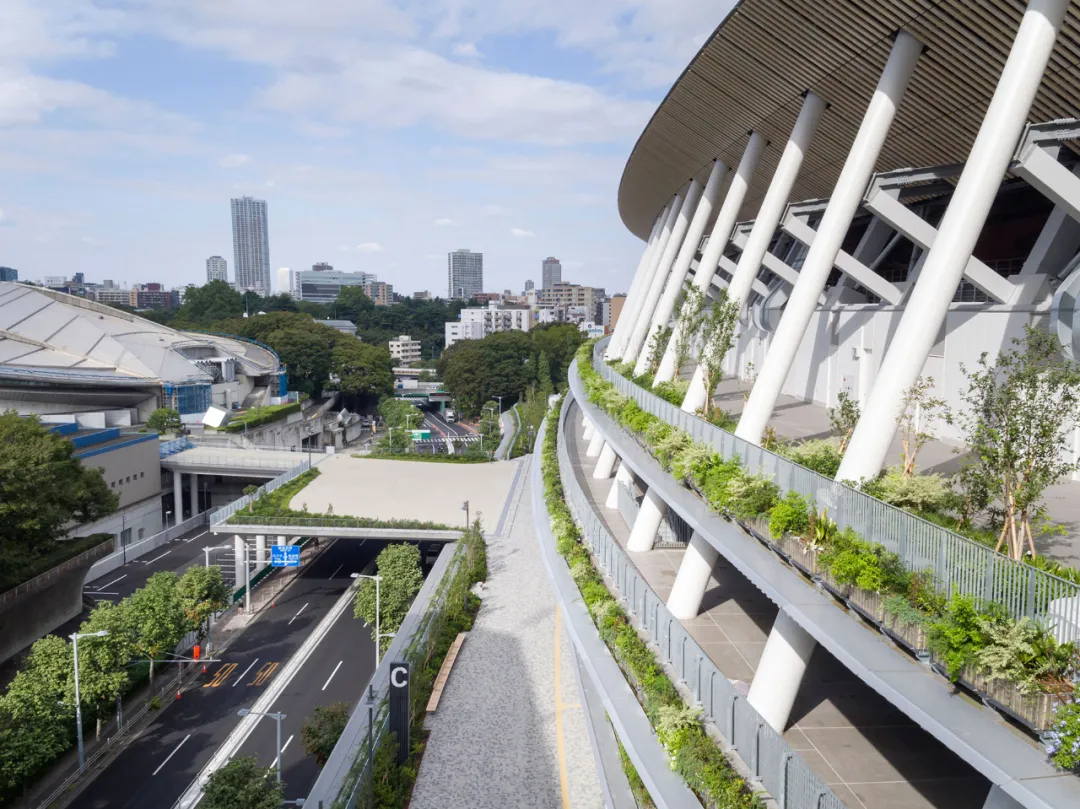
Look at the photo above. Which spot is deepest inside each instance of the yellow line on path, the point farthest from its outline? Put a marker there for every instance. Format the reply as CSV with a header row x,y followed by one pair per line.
x,y
559,706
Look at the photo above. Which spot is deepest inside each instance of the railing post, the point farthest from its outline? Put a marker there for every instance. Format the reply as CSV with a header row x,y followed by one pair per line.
x,y
782,797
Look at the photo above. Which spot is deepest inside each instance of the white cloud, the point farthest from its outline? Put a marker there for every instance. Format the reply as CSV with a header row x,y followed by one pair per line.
x,y
443,222
369,247
232,161
466,50
521,233
344,248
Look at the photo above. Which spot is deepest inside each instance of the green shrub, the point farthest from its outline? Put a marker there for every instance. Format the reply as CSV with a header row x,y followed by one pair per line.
x,y
929,493
958,636
672,392
790,515
820,454
717,479
751,495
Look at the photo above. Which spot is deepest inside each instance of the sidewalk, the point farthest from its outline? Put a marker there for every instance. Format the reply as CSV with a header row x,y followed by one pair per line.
x,y
510,729
798,419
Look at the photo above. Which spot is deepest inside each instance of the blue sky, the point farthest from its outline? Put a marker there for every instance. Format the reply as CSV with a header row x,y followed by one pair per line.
x,y
382,133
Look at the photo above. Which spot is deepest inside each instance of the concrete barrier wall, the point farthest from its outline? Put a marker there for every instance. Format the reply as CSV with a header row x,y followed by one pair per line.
x,y
137,549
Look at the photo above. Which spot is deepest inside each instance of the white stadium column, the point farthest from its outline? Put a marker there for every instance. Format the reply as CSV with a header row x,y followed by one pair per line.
x,y
605,464
648,303
238,561
842,207
178,497
772,208
692,580
280,540
632,307
596,443
1000,799
679,270
260,550
957,234
623,477
647,522
619,335
780,671
587,434
194,491
718,239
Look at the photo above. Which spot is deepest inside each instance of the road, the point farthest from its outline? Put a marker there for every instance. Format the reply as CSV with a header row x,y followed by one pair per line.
x,y
154,771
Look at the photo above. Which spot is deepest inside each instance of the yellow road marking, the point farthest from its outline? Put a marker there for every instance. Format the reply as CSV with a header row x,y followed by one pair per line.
x,y
263,674
559,707
221,675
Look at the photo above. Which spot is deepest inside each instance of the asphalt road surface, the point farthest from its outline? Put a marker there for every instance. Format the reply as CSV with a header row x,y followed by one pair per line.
x,y
158,766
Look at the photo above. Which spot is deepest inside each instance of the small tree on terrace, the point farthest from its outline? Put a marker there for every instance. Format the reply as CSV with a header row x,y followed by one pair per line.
x,y
687,325
657,347
321,732
1020,417
164,420
402,577
243,783
917,420
202,593
718,336
844,417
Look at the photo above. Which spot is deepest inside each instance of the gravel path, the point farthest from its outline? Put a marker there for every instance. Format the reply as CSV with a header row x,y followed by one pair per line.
x,y
510,730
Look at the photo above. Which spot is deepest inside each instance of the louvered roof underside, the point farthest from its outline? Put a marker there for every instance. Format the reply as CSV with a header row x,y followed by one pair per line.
x,y
753,71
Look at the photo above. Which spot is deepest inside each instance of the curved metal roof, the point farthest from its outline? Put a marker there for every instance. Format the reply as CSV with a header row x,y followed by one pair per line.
x,y
754,69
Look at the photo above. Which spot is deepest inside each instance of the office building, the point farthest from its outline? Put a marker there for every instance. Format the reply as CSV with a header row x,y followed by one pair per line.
x,y
551,272
405,350
8,274
251,245
122,297
465,274
217,269
529,285
617,302
422,296
563,296
381,293
478,322
286,284
324,286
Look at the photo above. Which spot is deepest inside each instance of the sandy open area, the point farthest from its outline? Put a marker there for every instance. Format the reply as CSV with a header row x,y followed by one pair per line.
x,y
434,492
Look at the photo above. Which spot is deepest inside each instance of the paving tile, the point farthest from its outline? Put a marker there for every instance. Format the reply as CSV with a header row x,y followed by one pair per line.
x,y
729,660
883,754
739,627
954,793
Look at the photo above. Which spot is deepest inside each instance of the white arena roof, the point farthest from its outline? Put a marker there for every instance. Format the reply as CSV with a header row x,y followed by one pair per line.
x,y
50,334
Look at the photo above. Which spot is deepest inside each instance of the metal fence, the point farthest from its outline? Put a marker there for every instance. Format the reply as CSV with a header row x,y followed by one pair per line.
x,y
193,459
789,779
956,562
222,514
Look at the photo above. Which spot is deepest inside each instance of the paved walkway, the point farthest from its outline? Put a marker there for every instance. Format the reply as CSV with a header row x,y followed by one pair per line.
x,y
510,730
799,419
868,752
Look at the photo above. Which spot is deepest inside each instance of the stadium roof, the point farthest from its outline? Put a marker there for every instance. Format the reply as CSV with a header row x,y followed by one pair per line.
x,y
47,334
754,69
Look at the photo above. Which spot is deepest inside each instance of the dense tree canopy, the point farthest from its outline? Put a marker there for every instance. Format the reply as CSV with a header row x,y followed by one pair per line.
x,y
42,487
214,301
506,363
360,369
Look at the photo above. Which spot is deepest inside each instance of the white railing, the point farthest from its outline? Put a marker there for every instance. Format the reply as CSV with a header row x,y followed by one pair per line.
x,y
222,514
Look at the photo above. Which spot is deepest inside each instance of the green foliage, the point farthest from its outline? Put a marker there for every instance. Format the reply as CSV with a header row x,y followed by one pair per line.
x,y
920,412
307,354
242,783
361,370
165,420
751,495
202,593
402,577
420,457
1063,740
843,418
790,515
43,489
637,787
398,414
959,635
656,347
321,732
157,616
717,338
216,300
672,392
258,416
852,560
1018,426
915,493
820,454
687,325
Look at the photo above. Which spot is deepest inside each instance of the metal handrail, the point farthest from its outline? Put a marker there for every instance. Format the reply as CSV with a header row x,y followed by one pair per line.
x,y
223,513
957,564
783,773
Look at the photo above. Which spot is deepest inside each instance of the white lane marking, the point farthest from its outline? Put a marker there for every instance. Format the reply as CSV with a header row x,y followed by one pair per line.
x,y
157,557
336,571
242,676
100,593
331,677
298,613
110,584
173,753
204,533
284,747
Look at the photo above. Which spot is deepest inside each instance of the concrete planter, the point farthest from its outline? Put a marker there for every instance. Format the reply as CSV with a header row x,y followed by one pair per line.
x,y
1034,708
841,591
911,635
869,604
801,555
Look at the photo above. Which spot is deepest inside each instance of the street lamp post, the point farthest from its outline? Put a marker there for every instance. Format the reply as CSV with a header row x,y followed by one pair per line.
x,y
465,508
378,634
78,704
247,581
208,551
279,717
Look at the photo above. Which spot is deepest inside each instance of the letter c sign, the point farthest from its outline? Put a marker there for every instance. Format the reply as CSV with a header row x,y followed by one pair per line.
x,y
399,676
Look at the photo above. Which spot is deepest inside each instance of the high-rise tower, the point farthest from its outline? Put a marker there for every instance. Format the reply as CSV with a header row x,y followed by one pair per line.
x,y
552,273
251,245
465,274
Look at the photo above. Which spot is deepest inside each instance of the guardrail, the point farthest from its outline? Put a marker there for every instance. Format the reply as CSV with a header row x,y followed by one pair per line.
x,y
337,522
782,772
124,555
40,581
223,513
956,562
191,459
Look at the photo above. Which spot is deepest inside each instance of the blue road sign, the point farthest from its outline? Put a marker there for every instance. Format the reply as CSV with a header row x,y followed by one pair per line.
x,y
285,555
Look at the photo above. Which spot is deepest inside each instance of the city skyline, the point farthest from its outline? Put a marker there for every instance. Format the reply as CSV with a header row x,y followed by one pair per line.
x,y
131,135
